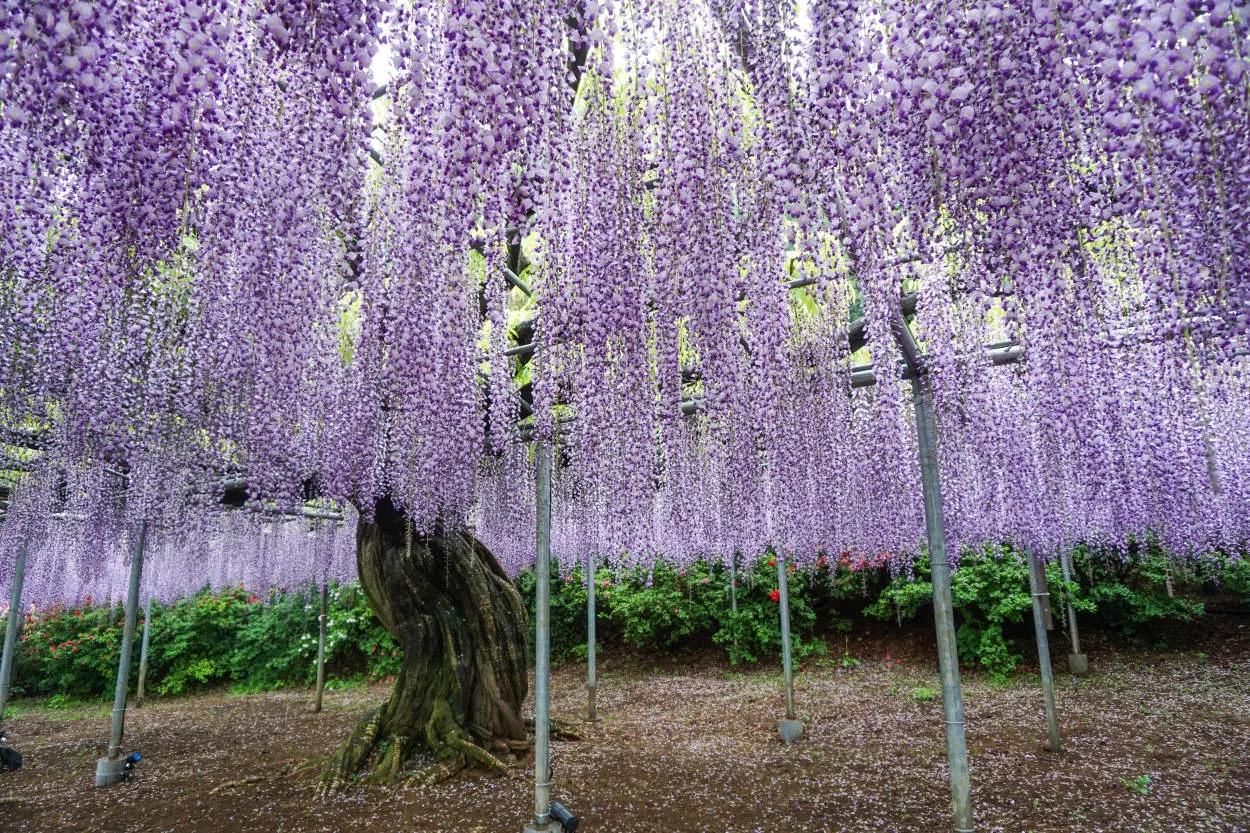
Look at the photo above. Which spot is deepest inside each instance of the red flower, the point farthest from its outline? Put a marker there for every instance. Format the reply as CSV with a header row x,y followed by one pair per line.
x,y
775,595
772,562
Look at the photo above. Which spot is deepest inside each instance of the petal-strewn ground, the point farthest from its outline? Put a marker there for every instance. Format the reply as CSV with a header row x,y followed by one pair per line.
x,y
1153,741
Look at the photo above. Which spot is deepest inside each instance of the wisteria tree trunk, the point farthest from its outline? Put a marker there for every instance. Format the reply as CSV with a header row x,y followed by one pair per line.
x,y
463,629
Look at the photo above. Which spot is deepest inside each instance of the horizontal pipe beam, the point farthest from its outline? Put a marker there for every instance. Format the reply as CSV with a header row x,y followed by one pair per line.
x,y
1000,353
520,350
312,514
512,278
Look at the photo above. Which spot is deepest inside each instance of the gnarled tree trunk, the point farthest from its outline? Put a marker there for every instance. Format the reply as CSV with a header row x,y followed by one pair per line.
x,y
463,629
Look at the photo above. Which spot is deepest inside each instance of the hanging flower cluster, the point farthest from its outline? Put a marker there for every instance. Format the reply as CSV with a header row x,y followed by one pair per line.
x,y
1057,183
79,556
225,255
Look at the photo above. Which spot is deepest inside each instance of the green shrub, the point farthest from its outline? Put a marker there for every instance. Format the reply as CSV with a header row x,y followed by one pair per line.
x,y
69,651
231,636
989,592
1123,591
270,646
353,631
193,640
207,639
1128,591
755,631
667,606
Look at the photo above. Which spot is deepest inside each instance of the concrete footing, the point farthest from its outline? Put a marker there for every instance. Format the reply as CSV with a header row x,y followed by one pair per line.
x,y
790,730
549,827
1078,664
110,771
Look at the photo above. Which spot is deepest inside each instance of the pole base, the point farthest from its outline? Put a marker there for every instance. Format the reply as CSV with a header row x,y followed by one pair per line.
x,y
109,771
549,827
1078,664
790,730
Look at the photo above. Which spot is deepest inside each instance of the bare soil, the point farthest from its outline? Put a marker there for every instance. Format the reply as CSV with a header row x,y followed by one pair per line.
x,y
1153,741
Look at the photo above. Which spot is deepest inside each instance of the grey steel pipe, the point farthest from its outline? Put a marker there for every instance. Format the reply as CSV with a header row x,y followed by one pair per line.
x,y
514,281
1043,652
999,354
128,638
787,664
1066,565
141,686
943,609
10,629
542,640
733,601
321,645
591,682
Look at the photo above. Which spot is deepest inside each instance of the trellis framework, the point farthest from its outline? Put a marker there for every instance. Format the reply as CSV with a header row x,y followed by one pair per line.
x,y
933,112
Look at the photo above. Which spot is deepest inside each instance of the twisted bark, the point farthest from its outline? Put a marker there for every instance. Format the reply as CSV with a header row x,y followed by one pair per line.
x,y
463,629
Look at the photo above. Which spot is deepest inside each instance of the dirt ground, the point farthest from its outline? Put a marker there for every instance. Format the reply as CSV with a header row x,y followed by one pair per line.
x,y
1153,741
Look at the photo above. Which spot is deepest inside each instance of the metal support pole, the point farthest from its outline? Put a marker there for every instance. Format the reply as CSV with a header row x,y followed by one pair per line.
x,y
141,688
787,665
791,729
321,645
10,629
943,609
591,682
1043,596
1038,593
542,646
128,638
1077,662
733,603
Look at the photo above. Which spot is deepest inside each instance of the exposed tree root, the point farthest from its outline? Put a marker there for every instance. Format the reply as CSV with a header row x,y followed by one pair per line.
x,y
241,782
436,773
561,729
